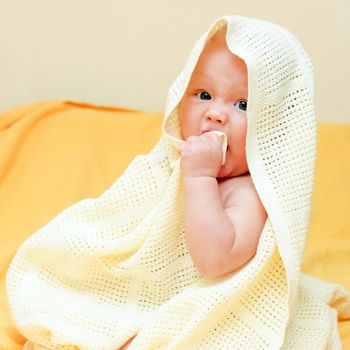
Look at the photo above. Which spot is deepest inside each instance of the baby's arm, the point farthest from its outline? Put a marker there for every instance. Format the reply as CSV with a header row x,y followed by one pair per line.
x,y
220,237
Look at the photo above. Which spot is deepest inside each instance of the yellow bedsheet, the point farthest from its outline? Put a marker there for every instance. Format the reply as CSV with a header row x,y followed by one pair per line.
x,y
54,153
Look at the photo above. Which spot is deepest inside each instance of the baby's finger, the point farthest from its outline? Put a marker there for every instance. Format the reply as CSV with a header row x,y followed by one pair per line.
x,y
192,139
212,136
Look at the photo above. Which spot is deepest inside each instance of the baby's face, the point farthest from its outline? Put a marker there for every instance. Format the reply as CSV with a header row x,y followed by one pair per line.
x,y
216,99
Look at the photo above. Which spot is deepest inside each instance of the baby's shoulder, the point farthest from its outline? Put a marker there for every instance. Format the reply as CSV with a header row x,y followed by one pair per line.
x,y
236,189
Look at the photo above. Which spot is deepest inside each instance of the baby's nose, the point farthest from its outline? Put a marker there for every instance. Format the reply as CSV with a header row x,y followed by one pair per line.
x,y
216,116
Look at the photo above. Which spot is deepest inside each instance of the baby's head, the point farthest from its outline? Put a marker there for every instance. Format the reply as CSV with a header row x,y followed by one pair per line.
x,y
216,100
276,136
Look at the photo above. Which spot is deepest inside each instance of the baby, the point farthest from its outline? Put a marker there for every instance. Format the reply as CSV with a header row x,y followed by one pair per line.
x,y
215,195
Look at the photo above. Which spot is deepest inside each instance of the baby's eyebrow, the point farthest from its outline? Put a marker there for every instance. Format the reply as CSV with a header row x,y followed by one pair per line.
x,y
197,86
201,83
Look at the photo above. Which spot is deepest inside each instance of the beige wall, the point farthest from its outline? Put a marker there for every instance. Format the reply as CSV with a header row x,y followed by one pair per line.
x,y
128,52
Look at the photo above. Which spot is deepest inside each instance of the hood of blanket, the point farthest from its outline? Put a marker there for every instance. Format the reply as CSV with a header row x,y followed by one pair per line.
x,y
281,133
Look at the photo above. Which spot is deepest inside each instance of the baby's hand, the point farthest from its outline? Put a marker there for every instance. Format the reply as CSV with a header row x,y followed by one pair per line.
x,y
201,155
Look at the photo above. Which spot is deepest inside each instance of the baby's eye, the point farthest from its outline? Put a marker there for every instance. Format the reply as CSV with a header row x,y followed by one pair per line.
x,y
242,105
204,95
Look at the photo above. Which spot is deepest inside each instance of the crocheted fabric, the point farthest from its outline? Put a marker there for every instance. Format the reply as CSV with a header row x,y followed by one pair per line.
x,y
108,268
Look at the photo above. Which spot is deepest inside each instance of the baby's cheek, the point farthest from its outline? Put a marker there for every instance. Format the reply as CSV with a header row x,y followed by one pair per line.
x,y
189,129
190,121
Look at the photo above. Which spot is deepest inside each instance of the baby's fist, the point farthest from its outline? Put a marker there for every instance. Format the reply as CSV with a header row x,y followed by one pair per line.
x,y
201,155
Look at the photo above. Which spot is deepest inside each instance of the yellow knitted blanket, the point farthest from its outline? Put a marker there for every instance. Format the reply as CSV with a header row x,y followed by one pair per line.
x,y
109,268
